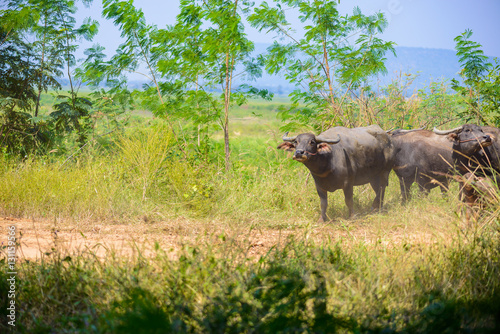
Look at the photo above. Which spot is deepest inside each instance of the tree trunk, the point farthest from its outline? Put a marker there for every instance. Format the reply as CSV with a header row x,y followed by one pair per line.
x,y
227,92
40,79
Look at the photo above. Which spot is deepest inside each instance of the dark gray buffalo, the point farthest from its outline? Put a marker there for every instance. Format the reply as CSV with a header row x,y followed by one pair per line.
x,y
428,157
341,158
487,160
478,192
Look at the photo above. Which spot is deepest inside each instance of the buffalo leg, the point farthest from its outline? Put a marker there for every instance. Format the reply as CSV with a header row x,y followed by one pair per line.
x,y
323,197
349,199
379,189
405,185
423,188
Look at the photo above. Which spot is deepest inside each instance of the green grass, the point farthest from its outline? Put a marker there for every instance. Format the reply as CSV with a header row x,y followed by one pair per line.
x,y
420,270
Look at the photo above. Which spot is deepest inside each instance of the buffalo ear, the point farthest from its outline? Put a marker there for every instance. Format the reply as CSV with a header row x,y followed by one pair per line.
x,y
324,148
287,146
452,136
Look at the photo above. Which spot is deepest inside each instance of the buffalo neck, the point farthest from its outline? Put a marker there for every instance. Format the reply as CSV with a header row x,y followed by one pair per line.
x,y
464,161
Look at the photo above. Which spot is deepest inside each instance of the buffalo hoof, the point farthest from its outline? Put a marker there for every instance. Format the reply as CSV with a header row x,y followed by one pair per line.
x,y
322,220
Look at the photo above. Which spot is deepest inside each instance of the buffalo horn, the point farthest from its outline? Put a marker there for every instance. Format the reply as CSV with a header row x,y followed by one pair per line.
x,y
319,139
285,138
406,131
446,132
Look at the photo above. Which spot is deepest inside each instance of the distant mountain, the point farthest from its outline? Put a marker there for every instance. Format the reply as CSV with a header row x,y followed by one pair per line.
x,y
428,64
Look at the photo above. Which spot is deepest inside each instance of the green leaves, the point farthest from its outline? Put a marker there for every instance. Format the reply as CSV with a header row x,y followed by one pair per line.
x,y
328,63
38,39
203,53
471,56
480,90
137,34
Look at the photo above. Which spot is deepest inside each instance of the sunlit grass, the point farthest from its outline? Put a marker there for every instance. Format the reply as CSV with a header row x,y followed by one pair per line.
x,y
447,283
410,268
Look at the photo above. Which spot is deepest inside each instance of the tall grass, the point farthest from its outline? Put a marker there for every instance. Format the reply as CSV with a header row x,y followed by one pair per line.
x,y
142,175
145,175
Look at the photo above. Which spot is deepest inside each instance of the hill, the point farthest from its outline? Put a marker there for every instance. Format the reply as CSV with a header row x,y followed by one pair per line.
x,y
427,64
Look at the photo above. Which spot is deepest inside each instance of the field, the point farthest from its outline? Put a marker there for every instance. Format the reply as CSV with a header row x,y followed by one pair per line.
x,y
129,236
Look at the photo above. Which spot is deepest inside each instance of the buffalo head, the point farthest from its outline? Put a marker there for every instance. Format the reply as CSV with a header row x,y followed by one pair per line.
x,y
469,137
307,145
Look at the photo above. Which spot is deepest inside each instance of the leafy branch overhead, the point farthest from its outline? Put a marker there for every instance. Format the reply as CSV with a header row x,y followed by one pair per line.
x,y
480,86
332,61
205,51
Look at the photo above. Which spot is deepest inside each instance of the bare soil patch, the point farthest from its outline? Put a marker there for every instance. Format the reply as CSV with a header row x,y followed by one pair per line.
x,y
38,238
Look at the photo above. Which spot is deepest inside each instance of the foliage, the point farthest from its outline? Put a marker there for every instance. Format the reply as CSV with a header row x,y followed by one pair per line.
x,y
195,56
29,68
141,173
328,64
140,170
366,275
18,82
481,81
399,107
299,286
145,152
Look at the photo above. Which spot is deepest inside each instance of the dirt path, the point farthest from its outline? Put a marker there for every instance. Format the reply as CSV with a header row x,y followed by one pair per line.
x,y
39,238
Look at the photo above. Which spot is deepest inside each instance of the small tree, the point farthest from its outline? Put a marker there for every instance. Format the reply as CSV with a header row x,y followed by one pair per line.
x,y
329,64
46,37
136,51
190,61
205,51
73,112
20,77
481,81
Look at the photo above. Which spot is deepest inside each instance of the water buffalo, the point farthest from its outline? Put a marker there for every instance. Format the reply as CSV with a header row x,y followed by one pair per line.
x,y
341,158
479,192
489,158
427,157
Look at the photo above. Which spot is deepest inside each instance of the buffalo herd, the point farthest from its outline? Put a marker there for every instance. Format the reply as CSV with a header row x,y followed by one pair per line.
x,y
341,158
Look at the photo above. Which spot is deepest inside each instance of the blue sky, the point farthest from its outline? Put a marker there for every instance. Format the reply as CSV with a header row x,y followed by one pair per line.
x,y
415,23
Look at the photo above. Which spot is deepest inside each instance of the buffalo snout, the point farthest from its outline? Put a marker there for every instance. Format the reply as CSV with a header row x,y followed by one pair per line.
x,y
486,141
300,155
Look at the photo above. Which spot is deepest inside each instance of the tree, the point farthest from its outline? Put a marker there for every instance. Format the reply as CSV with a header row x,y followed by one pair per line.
x,y
190,61
19,78
331,63
39,40
136,51
72,113
480,90
208,50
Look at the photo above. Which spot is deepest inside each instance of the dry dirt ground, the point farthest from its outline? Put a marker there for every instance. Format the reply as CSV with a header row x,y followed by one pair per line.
x,y
37,238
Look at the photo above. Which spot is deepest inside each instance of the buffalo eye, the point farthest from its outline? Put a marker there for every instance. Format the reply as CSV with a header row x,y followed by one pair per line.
x,y
313,142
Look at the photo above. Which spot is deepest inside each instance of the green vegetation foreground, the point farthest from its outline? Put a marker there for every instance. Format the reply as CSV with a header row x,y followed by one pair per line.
x,y
445,281
449,284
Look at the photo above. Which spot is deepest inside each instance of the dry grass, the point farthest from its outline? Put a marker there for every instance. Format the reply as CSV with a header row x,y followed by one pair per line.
x,y
423,222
